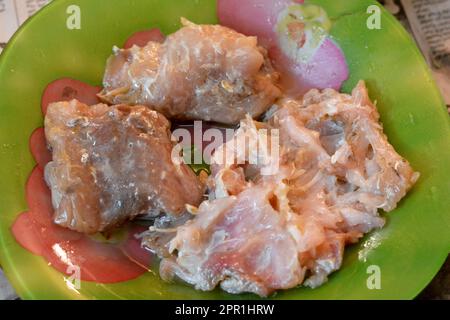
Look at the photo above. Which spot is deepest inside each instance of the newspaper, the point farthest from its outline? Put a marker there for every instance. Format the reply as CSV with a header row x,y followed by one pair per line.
x,y
430,24
13,13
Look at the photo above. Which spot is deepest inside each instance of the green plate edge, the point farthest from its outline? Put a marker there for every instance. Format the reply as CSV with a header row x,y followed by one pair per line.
x,y
409,251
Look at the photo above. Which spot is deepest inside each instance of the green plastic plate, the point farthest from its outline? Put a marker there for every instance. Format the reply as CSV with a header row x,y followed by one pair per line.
x,y
408,251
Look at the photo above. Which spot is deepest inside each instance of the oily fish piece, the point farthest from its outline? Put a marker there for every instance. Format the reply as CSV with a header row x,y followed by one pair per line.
x,y
200,72
111,164
264,230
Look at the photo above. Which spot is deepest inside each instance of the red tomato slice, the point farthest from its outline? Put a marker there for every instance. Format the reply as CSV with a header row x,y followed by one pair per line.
x,y
66,89
38,148
141,38
26,234
133,250
38,197
96,261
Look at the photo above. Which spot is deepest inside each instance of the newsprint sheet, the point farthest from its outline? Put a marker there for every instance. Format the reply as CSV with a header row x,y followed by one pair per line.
x,y
13,13
430,23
